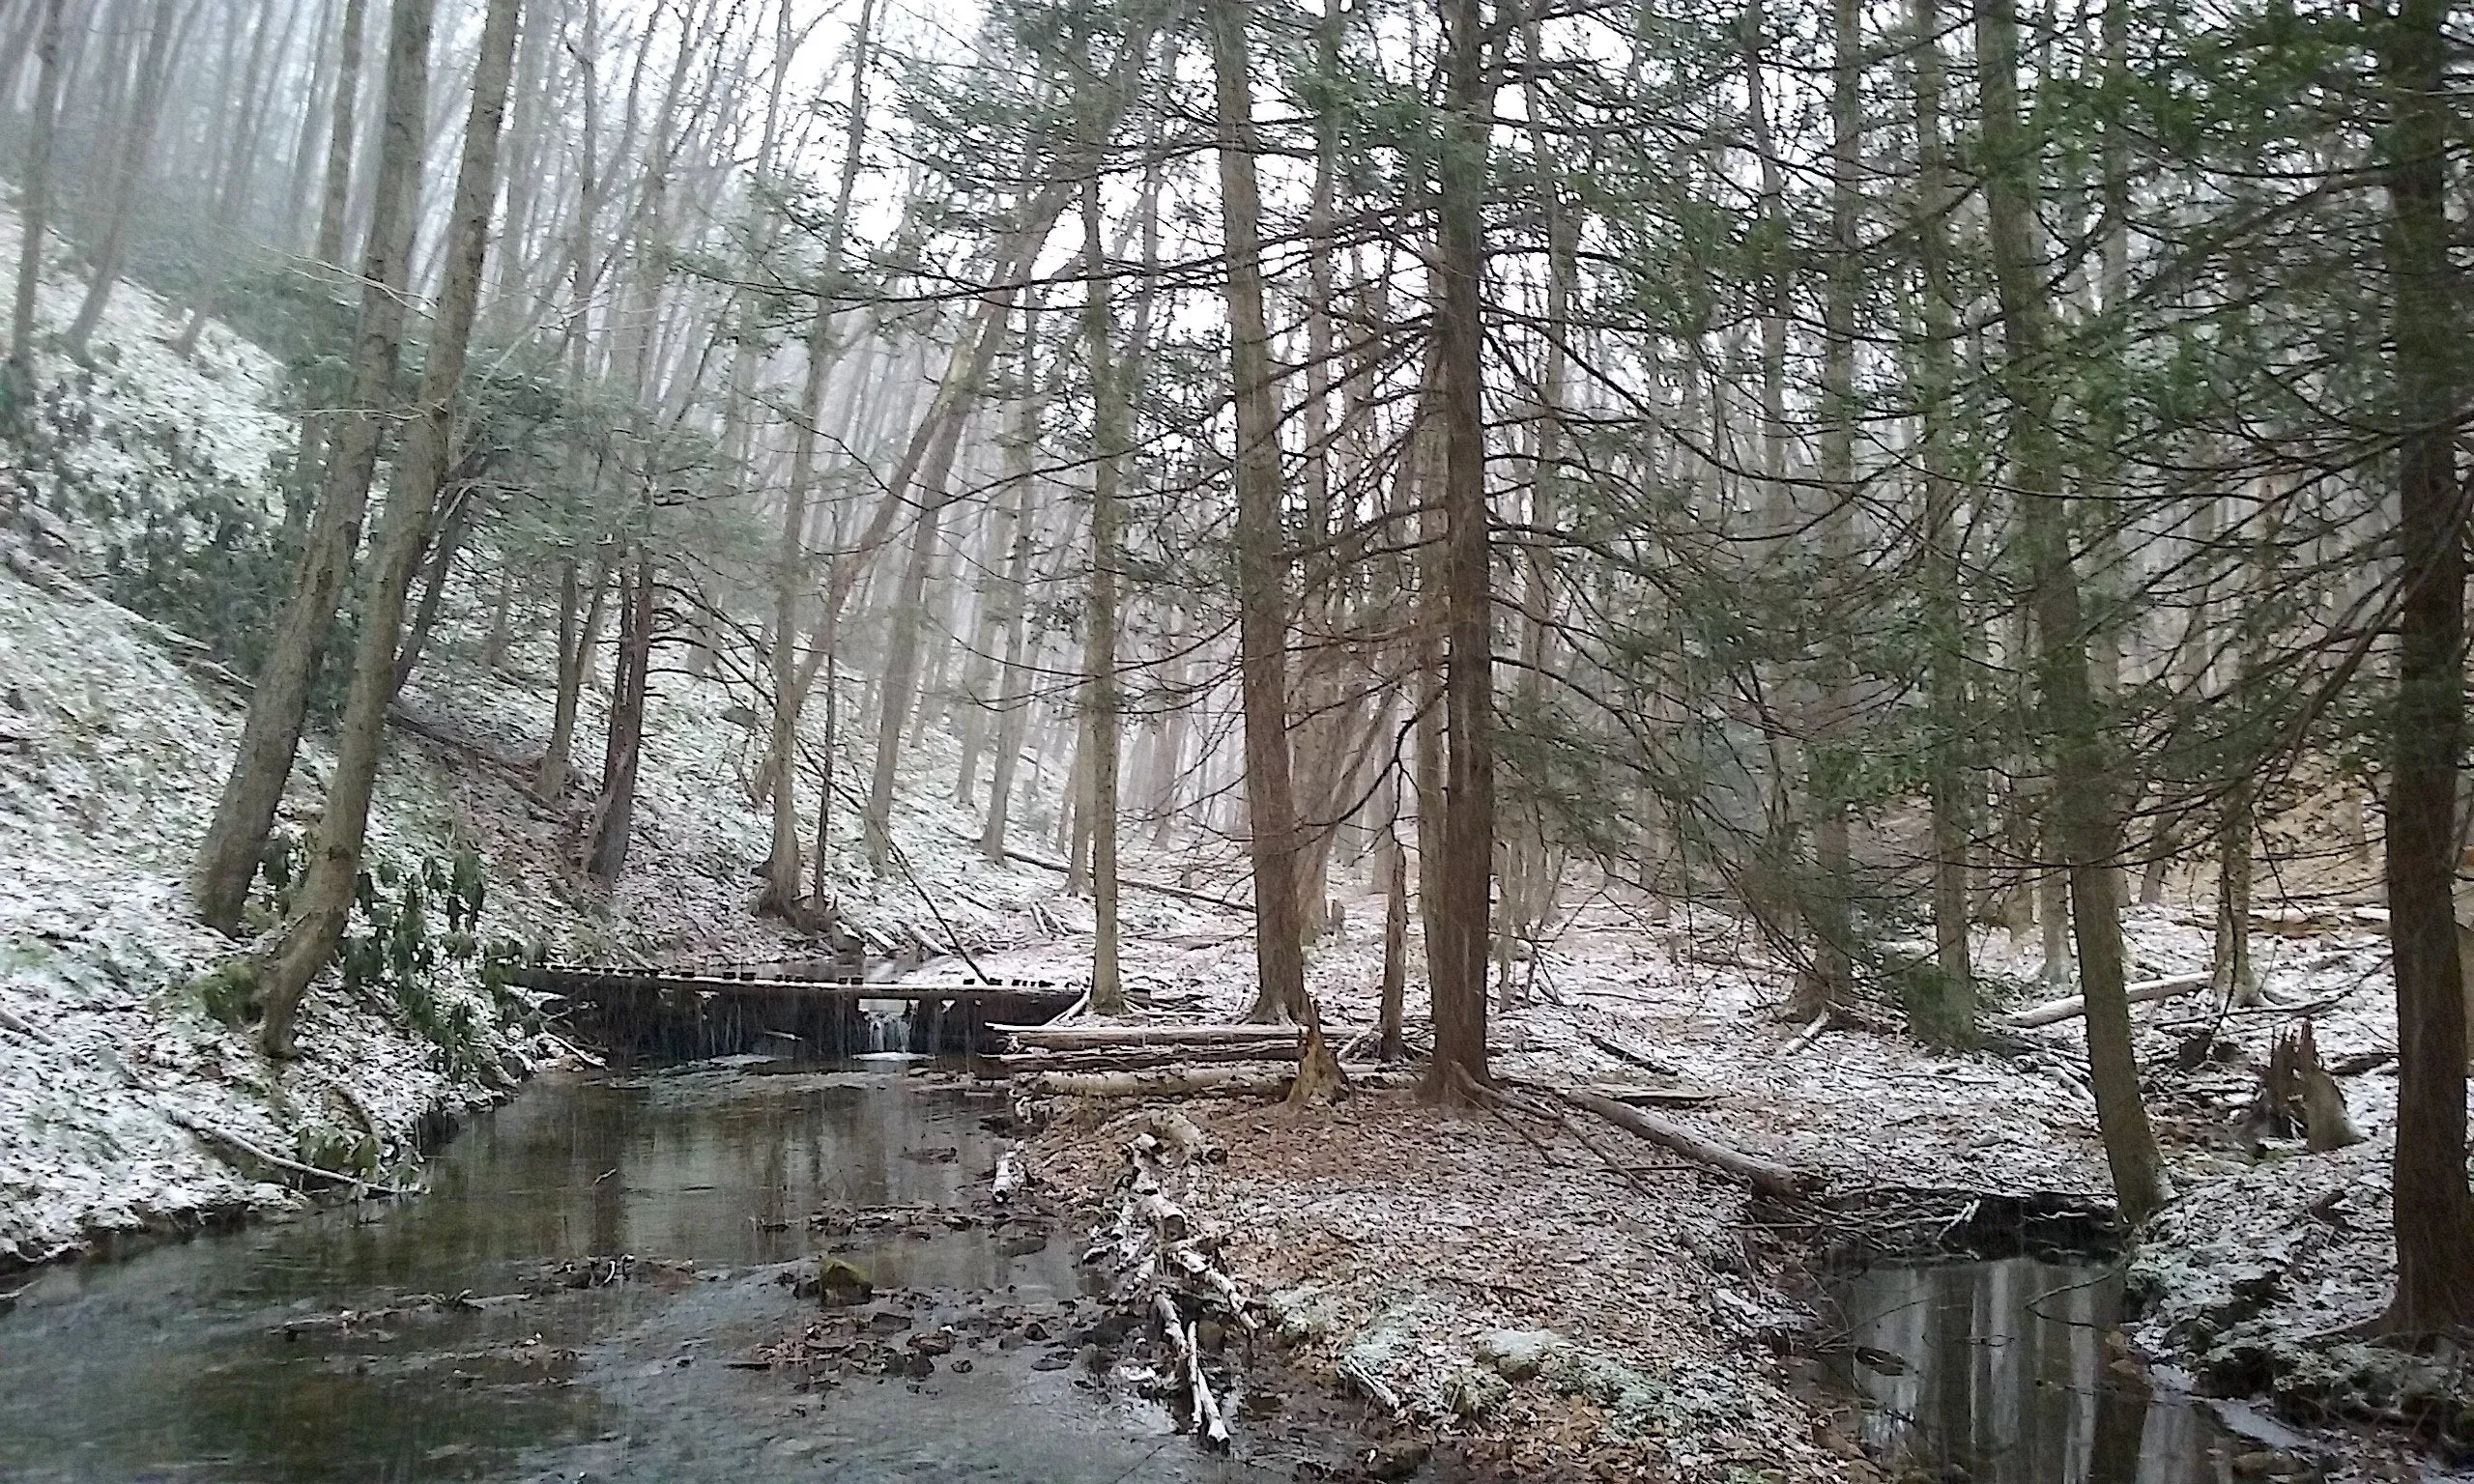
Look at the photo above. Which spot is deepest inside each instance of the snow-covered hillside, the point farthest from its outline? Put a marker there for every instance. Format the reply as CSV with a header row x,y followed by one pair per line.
x,y
115,731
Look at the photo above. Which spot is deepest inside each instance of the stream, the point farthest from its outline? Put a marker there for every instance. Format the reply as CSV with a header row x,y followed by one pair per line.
x,y
2007,1372
499,1328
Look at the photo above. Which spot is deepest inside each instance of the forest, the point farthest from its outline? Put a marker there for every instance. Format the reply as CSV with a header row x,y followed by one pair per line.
x,y
1537,694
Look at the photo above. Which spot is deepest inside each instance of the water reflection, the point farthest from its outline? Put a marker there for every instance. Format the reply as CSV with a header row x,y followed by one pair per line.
x,y
2009,1370
175,1364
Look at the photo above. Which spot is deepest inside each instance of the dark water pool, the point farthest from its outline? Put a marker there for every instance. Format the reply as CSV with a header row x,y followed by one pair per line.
x,y
222,1358
2012,1371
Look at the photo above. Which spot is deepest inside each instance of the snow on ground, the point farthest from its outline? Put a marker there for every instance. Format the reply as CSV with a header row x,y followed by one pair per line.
x,y
1416,1236
115,733
143,415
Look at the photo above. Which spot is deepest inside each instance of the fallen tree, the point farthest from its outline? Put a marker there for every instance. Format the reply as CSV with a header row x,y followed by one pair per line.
x,y
1131,1057
1763,1175
2054,1011
1237,1079
1082,1038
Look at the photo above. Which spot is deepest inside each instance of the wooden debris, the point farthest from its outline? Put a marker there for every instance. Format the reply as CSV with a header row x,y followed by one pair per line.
x,y
1319,1077
231,1142
1164,1266
1083,1037
1624,1053
1011,1177
2054,1011
1807,1036
1763,1175
1241,1079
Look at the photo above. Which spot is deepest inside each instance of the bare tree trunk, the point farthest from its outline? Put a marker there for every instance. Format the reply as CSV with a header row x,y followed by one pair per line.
x,y
901,675
240,169
789,681
1457,980
1830,768
324,899
614,811
137,148
2084,810
451,530
576,643
2433,1209
1395,867
35,202
1262,566
278,705
1014,704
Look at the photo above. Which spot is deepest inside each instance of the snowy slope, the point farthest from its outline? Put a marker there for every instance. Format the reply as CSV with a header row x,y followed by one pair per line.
x,y
114,736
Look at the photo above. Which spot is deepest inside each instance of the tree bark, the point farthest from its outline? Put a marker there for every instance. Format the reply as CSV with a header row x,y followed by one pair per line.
x,y
279,704
2433,1209
163,40
35,208
324,899
2083,809
790,681
1263,562
1457,979
1100,640
614,811
1947,1014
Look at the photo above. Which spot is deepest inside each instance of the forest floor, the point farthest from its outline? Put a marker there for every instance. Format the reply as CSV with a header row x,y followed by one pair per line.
x,y
1417,1245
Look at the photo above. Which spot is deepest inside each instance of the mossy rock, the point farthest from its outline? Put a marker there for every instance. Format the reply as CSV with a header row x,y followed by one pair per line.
x,y
838,1284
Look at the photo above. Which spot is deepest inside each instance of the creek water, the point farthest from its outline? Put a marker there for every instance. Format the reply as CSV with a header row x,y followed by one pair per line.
x,y
225,1357
2007,1370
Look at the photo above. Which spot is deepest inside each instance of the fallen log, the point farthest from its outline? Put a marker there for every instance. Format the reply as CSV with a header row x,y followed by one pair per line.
x,y
1807,1036
1214,1426
1083,1037
231,1141
2055,1011
1010,1175
1763,1175
1237,1079
1624,1053
1131,1057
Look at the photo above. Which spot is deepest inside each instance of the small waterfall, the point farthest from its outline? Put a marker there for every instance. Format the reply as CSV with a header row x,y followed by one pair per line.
x,y
884,1027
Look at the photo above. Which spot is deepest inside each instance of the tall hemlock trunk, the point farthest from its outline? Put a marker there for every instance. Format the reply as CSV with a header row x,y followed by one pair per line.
x,y
2084,810
1263,562
1945,1008
1013,686
613,808
2434,1210
1100,640
279,704
1831,767
324,899
1458,975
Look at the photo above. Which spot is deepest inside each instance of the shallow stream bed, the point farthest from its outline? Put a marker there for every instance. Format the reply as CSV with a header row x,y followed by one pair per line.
x,y
496,1326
